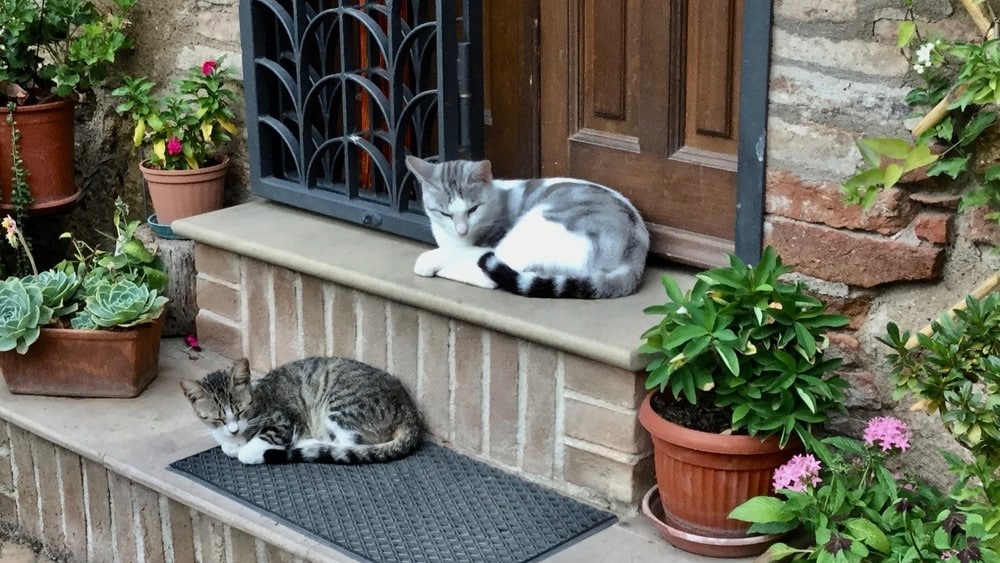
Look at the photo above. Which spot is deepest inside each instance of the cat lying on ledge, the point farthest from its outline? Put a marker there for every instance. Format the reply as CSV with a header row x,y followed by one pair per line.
x,y
553,237
325,410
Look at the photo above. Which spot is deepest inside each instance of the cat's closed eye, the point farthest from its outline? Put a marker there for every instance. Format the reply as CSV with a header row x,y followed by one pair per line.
x,y
473,209
448,215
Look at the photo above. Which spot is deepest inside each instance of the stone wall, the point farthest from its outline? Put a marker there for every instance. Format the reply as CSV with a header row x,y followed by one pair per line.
x,y
837,75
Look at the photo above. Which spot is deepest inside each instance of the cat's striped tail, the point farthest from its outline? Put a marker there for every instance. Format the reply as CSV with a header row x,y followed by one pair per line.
x,y
530,284
404,441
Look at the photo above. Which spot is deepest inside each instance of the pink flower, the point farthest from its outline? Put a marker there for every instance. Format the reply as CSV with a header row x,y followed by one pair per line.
x,y
888,432
174,146
797,473
208,66
192,342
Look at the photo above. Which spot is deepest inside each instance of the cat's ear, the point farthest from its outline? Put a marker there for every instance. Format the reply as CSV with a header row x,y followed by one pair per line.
x,y
421,168
240,372
482,171
192,389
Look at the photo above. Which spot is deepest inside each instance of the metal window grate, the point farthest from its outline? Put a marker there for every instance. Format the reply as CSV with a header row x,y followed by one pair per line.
x,y
339,92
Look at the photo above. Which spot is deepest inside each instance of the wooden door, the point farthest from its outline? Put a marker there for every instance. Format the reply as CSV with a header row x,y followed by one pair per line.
x,y
642,95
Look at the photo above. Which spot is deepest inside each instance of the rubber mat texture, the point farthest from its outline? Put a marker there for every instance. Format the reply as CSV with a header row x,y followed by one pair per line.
x,y
434,505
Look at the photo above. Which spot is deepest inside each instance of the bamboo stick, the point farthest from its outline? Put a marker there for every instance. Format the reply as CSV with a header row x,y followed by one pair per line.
x,y
983,290
986,26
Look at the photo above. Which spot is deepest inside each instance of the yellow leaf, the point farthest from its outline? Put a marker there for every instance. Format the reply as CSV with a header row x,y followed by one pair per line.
x,y
228,126
140,132
192,163
206,131
920,405
160,150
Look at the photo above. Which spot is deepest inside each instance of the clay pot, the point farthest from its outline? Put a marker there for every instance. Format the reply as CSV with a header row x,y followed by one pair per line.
x,y
701,477
65,362
182,193
47,151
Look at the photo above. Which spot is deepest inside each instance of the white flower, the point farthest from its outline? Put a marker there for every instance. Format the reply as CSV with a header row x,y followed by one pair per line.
x,y
682,310
924,54
919,68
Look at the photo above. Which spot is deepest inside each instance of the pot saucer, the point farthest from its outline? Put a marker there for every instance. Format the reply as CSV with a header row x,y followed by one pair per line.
x,y
747,546
161,230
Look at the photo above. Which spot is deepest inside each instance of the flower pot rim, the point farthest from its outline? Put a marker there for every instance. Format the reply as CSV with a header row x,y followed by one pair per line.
x,y
224,161
702,441
44,106
116,333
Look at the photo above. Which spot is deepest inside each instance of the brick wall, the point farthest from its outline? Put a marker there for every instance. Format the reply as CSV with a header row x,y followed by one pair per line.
x,y
557,418
80,511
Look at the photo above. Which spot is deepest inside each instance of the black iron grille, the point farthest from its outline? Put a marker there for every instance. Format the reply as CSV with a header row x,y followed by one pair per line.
x,y
339,92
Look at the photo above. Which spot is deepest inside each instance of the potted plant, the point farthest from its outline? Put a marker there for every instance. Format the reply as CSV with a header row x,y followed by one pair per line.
x,y
738,379
851,507
181,133
51,52
90,327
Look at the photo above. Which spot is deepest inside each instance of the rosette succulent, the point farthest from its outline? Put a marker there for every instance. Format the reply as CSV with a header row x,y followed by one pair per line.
x,y
22,313
57,290
119,304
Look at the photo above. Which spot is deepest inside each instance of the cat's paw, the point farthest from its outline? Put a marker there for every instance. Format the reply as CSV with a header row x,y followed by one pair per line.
x,y
253,452
430,263
231,449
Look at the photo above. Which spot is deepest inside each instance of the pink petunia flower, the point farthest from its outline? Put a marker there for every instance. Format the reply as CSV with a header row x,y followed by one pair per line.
x,y
797,473
887,432
208,66
174,146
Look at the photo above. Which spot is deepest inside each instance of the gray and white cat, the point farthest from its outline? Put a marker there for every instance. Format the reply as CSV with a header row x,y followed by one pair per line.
x,y
553,237
332,410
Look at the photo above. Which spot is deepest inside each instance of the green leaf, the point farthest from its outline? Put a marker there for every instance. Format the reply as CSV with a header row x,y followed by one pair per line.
x,y
889,146
893,173
806,398
682,334
919,157
806,340
868,153
873,177
673,290
762,509
779,551
728,357
949,166
992,173
905,33
976,126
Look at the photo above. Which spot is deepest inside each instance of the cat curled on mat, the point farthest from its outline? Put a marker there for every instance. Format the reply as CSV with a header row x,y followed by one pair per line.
x,y
330,410
553,237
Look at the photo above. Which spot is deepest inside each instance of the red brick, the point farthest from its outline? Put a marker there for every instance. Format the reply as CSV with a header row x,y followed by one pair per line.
x,y
244,546
99,525
181,530
937,198
854,308
219,335
213,539
48,491
468,388
853,258
933,226
74,512
24,481
845,346
504,398
217,263
123,524
8,510
147,504
982,229
823,202
403,329
221,298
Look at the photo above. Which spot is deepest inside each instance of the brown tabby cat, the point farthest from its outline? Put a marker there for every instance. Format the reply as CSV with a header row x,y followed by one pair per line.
x,y
331,410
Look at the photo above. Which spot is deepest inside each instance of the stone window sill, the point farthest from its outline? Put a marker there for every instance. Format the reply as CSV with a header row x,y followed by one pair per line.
x,y
382,264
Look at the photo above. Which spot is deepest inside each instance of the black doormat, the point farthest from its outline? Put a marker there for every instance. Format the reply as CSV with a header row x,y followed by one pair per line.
x,y
434,505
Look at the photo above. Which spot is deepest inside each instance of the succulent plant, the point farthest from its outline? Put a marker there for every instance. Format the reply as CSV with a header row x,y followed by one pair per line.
x,y
22,314
57,290
119,304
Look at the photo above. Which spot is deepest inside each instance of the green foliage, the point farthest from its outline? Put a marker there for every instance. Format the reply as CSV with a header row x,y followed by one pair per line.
x,y
967,75
95,290
119,304
743,340
22,314
184,128
57,47
956,372
862,512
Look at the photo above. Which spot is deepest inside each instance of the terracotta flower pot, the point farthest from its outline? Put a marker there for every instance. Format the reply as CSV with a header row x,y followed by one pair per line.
x,y
67,362
701,477
182,193
47,151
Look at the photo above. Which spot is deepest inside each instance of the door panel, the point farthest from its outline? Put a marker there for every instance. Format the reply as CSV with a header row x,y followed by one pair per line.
x,y
642,95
